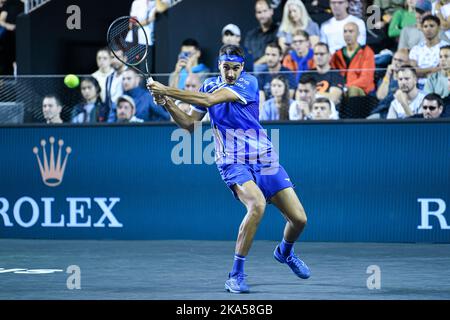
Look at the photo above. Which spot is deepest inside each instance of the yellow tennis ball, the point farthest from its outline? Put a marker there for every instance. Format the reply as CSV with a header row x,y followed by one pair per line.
x,y
71,81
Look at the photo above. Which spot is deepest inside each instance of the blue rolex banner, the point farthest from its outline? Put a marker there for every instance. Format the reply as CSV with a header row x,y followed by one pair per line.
x,y
383,182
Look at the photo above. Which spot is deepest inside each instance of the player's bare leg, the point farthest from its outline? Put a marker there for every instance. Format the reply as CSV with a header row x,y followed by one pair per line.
x,y
253,199
288,203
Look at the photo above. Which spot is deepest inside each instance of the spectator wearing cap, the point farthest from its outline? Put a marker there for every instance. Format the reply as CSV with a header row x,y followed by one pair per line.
x,y
231,34
126,110
296,18
331,30
425,56
257,39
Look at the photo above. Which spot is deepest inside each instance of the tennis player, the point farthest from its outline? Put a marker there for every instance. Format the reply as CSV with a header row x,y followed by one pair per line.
x,y
244,157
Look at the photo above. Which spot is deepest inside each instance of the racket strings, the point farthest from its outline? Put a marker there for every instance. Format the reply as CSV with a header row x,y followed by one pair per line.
x,y
123,35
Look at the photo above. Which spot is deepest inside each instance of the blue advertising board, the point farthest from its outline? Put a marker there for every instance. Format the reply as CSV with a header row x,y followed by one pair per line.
x,y
378,182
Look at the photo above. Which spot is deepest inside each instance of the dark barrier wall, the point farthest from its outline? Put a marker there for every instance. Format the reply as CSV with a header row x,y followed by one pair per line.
x,y
358,182
46,46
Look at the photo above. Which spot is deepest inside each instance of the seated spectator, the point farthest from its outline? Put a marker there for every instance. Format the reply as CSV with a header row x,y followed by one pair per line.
x,y
104,59
330,83
257,39
319,10
146,109
425,56
126,110
188,62
91,109
359,61
432,107
51,109
402,18
296,18
273,68
193,83
389,84
408,99
113,86
388,7
442,11
305,97
331,30
321,109
298,58
278,107
412,35
438,82
231,34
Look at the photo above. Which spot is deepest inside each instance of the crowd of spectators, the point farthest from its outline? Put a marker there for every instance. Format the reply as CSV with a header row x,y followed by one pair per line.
x,y
322,58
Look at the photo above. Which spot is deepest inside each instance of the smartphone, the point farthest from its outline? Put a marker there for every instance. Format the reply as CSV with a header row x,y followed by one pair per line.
x,y
184,55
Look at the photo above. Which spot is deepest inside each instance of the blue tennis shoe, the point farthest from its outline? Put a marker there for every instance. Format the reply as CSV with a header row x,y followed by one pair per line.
x,y
236,283
294,262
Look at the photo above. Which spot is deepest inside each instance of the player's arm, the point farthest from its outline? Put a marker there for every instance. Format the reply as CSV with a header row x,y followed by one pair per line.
x,y
181,118
195,98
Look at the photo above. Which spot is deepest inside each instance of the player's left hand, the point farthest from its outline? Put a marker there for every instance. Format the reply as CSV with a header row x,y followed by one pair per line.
x,y
156,88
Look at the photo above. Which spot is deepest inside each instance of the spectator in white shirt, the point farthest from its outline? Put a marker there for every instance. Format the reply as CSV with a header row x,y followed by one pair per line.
x,y
425,55
331,30
408,98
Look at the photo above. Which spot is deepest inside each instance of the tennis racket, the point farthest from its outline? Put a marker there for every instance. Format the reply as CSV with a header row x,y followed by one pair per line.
x,y
124,34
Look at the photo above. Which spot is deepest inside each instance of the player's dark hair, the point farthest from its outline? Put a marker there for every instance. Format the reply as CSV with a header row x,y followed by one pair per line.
x,y
408,67
53,96
430,17
191,43
276,46
434,97
285,98
445,47
308,78
230,49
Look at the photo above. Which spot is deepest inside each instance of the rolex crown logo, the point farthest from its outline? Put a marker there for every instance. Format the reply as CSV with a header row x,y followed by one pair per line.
x,y
52,171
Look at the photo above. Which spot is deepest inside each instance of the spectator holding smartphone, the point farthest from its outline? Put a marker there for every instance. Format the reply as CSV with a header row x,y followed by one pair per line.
x,y
188,62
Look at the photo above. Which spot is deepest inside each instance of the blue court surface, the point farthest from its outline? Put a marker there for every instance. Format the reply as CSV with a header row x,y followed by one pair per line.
x,y
197,270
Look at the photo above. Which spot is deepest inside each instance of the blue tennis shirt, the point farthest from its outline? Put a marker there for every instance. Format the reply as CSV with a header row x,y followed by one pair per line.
x,y
238,135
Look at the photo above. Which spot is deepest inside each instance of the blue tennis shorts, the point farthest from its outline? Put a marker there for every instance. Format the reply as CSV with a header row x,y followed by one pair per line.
x,y
270,179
